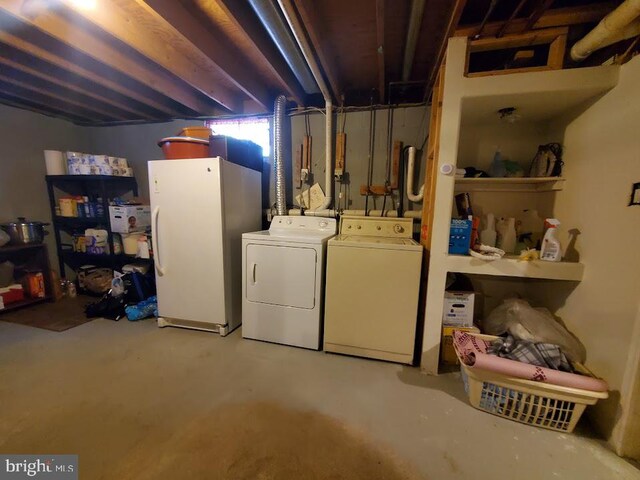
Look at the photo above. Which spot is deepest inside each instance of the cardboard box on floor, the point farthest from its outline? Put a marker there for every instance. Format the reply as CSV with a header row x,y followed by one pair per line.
x,y
458,309
447,352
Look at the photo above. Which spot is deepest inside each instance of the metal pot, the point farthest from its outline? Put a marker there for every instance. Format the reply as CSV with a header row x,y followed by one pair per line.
x,y
23,232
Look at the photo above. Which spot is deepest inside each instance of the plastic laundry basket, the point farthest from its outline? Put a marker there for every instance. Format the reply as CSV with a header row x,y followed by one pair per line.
x,y
534,403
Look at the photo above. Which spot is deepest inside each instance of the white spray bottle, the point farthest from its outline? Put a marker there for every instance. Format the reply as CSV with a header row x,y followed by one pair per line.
x,y
488,235
551,250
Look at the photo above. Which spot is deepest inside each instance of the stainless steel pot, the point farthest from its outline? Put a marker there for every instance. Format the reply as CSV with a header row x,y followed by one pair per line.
x,y
23,232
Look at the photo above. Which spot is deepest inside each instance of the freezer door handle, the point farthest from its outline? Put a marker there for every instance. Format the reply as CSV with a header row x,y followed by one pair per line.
x,y
154,241
253,273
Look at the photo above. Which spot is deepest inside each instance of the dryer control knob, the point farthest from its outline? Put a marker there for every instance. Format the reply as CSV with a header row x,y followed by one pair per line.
x,y
323,224
398,228
358,227
289,221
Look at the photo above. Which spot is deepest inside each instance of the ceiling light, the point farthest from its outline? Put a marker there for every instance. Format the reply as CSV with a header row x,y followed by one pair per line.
x,y
84,4
509,115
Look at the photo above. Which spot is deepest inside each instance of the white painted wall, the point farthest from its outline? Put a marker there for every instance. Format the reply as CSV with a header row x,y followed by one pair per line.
x,y
23,136
602,160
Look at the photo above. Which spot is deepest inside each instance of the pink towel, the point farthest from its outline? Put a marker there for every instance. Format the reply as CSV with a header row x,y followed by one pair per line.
x,y
473,352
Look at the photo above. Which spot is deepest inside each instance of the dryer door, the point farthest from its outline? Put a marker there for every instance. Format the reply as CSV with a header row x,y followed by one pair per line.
x,y
281,275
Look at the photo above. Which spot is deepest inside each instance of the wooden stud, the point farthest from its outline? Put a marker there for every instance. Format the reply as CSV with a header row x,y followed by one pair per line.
x,y
29,104
341,144
555,60
543,6
297,167
375,190
306,149
395,165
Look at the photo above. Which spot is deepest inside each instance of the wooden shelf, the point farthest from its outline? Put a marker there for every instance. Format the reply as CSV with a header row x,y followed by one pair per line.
x,y
511,266
80,221
17,248
24,303
510,184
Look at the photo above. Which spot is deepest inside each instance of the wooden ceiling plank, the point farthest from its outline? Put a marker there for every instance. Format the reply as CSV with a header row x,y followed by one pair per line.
x,y
543,6
46,100
94,46
52,80
56,67
243,17
309,18
380,49
513,15
138,26
99,80
210,48
53,93
556,17
24,104
454,18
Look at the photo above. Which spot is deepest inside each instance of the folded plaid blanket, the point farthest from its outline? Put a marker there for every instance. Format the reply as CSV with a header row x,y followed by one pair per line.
x,y
538,354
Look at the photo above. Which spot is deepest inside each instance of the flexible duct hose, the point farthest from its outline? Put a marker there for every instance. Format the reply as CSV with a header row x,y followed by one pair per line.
x,y
278,153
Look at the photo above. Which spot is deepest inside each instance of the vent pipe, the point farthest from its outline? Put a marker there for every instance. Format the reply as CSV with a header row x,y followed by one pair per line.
x,y
618,25
278,153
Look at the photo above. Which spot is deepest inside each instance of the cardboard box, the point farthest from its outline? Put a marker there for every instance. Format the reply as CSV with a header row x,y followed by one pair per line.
x,y
460,236
458,309
129,218
447,352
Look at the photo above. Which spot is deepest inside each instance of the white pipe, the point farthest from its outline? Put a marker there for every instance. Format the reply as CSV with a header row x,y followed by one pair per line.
x,y
299,34
410,168
328,140
616,26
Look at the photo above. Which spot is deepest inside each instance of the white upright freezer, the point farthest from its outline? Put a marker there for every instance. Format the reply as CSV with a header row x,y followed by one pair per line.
x,y
199,210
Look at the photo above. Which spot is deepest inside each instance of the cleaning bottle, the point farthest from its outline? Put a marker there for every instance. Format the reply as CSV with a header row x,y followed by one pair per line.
x,y
488,235
551,251
508,243
497,168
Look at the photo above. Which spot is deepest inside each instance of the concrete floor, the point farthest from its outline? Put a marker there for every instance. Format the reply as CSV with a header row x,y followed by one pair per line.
x,y
135,401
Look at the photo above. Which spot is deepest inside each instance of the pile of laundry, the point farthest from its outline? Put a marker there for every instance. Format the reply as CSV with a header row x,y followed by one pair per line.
x,y
530,344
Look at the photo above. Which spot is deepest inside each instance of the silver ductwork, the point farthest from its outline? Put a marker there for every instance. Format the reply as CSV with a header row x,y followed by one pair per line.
x,y
278,153
278,30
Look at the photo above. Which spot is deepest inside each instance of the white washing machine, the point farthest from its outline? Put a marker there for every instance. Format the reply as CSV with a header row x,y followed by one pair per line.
x,y
373,283
283,273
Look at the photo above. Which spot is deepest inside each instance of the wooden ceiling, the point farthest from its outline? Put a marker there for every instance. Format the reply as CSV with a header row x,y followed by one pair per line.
x,y
100,62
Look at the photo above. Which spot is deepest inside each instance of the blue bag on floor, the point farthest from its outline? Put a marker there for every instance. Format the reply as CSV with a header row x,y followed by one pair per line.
x,y
144,309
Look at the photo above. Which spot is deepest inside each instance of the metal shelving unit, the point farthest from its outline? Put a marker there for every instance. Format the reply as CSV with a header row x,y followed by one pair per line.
x,y
102,186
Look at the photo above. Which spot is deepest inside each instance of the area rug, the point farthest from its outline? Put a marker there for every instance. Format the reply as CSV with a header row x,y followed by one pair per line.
x,y
53,316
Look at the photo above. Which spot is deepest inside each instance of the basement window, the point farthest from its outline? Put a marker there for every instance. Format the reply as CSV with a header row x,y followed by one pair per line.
x,y
256,130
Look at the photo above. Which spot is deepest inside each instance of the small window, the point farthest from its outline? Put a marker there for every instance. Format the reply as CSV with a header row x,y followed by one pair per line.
x,y
253,129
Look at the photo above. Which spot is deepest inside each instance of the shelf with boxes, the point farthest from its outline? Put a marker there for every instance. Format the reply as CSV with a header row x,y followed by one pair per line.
x,y
25,276
88,229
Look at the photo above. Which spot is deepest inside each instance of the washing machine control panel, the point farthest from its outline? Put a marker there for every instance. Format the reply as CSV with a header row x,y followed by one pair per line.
x,y
299,223
377,227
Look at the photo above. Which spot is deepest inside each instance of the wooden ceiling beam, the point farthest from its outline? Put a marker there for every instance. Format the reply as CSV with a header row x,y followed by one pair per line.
x,y
55,84
45,99
207,48
244,19
452,24
542,6
93,44
380,50
27,104
33,84
99,81
306,12
556,17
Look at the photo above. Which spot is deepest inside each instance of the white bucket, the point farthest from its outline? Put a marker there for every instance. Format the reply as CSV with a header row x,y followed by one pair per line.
x,y
130,242
55,162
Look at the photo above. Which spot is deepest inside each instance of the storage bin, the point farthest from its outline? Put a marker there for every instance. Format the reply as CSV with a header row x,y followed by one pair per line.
x,y
533,403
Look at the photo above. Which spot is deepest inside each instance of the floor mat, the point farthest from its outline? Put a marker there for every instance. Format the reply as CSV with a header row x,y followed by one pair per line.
x,y
55,316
